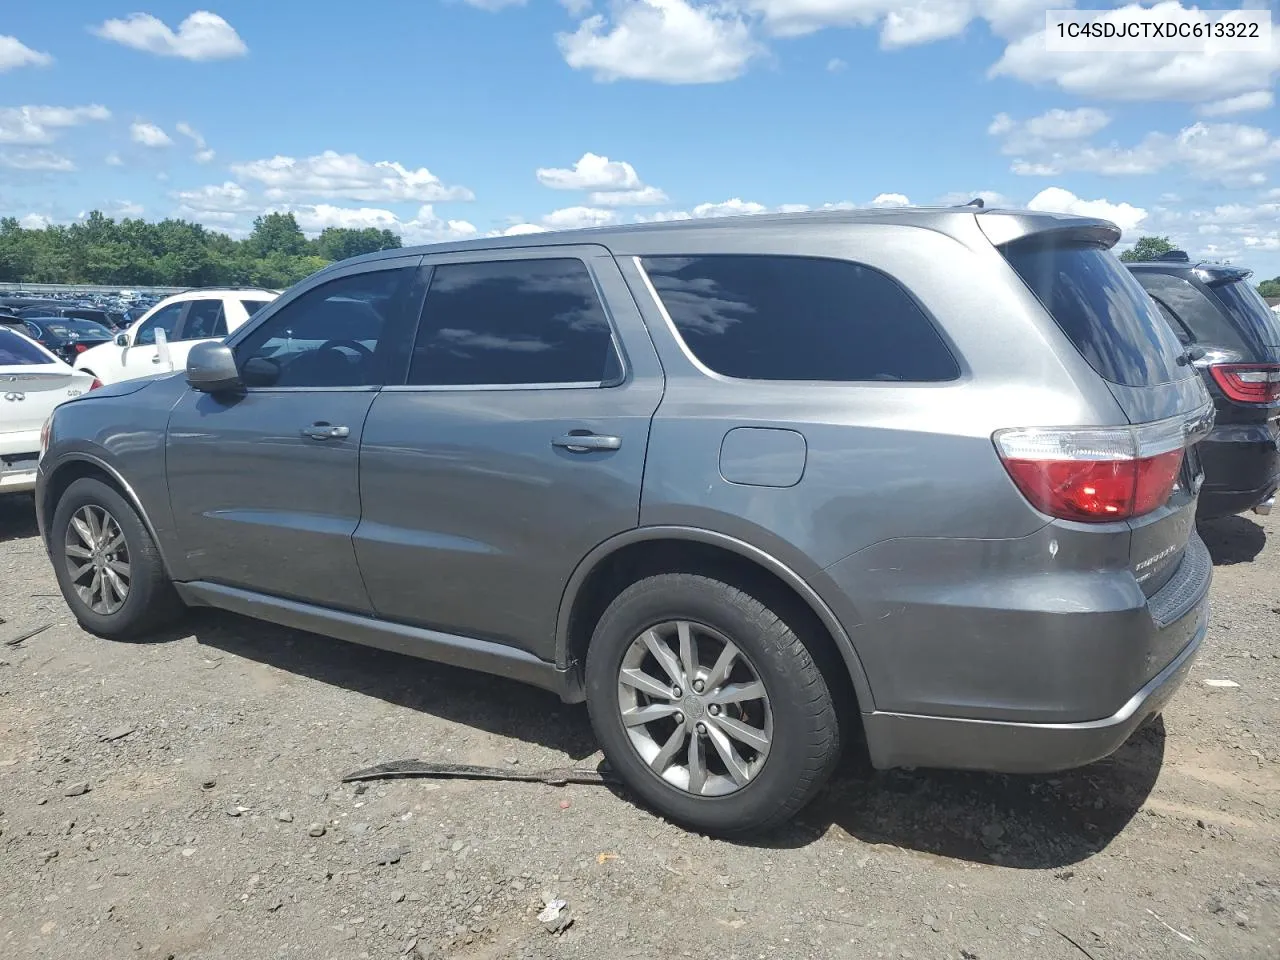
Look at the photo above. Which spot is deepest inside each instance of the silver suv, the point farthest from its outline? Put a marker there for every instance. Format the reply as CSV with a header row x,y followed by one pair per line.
x,y
718,479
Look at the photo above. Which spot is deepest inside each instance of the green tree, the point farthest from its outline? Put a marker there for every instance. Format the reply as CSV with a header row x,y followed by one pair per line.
x,y
1147,248
277,233
341,243
1270,288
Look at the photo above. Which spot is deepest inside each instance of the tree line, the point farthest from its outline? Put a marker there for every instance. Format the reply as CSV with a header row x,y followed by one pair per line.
x,y
177,253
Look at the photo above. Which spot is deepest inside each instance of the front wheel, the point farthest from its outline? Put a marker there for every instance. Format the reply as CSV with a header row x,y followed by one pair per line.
x,y
709,705
108,568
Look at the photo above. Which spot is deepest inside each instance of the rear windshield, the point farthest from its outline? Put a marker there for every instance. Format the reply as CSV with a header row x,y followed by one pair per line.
x,y
1103,310
16,350
77,329
1247,307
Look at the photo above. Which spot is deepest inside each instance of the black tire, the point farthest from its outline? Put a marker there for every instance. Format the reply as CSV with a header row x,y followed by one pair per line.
x,y
151,602
806,732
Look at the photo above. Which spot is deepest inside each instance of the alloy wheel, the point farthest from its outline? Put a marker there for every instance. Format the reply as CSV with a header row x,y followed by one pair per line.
x,y
694,708
97,559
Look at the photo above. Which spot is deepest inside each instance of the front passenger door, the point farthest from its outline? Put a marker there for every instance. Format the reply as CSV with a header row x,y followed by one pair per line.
x,y
264,486
142,357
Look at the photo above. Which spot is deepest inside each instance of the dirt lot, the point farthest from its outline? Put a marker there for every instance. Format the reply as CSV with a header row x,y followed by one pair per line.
x,y
181,799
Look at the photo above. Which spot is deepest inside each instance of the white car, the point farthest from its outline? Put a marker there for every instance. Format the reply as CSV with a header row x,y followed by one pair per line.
x,y
32,382
186,319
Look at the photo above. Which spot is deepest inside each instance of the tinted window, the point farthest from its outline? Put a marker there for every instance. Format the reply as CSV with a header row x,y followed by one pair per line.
x,y
798,318
517,322
17,350
253,306
328,337
1179,331
1103,310
205,320
1246,305
1203,319
71,330
165,319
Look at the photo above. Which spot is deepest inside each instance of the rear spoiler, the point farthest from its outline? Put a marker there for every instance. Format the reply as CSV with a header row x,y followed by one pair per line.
x,y
1004,227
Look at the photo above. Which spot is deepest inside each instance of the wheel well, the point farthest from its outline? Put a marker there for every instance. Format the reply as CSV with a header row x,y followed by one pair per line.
x,y
65,476
639,560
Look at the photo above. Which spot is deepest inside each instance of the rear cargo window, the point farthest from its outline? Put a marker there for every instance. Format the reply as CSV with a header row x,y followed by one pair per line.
x,y
798,318
17,351
1246,305
1103,310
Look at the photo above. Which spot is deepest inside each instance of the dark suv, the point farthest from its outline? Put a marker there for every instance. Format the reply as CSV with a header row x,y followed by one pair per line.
x,y
1233,338
715,478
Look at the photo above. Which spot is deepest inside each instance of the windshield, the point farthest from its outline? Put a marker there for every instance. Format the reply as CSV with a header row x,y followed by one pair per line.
x,y
1103,310
76,329
1246,306
17,351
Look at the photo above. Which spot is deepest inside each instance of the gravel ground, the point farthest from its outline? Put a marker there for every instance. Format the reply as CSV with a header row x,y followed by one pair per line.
x,y
181,799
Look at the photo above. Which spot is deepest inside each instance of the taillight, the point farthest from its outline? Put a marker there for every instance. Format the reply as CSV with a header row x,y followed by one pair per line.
x,y
96,384
1095,474
1248,382
80,348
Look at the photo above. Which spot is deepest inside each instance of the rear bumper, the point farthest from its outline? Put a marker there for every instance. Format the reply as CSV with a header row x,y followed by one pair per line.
x,y
1241,468
19,452
908,740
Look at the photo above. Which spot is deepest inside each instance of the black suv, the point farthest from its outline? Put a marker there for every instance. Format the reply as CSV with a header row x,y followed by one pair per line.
x,y
1233,338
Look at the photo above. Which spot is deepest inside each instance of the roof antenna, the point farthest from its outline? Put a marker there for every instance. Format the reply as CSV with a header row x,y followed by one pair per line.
x,y
976,202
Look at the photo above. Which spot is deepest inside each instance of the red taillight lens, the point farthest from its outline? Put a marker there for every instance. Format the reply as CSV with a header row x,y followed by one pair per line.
x,y
96,384
1248,382
1094,474
80,348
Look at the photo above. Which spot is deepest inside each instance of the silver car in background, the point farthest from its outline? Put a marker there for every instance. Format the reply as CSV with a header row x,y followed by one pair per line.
x,y
753,489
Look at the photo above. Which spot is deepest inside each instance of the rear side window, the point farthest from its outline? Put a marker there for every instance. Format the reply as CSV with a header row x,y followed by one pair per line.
x,y
205,320
798,318
1246,305
1103,310
16,350
253,306
513,322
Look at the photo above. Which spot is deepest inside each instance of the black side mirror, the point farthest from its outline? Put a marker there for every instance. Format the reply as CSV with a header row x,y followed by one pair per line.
x,y
211,368
122,339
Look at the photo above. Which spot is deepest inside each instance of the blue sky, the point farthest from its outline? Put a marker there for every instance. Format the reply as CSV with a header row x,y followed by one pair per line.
x,y
449,118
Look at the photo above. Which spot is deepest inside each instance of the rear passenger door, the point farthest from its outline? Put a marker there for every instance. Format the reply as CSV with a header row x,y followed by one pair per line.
x,y
516,444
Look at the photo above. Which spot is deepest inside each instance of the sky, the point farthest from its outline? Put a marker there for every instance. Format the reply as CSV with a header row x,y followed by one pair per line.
x,y
447,119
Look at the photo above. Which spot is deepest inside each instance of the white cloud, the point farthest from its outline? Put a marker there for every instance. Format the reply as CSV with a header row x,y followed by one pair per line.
x,y
836,65
202,36
1244,103
729,208
891,200
226,198
520,230
36,160
1054,143
347,176
35,125
663,216
118,208
1057,200
35,221
591,172
1226,231
149,135
425,227
572,218
1211,74
640,197
902,24
112,159
793,207
665,41
203,154
14,53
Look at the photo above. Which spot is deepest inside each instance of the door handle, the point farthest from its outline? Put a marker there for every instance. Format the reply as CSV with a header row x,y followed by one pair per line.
x,y
155,359
586,442
325,431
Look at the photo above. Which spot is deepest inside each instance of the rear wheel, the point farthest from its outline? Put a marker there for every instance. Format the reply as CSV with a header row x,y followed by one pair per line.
x,y
107,565
709,705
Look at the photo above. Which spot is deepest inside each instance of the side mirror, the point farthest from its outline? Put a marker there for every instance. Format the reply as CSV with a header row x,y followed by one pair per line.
x,y
211,368
122,339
